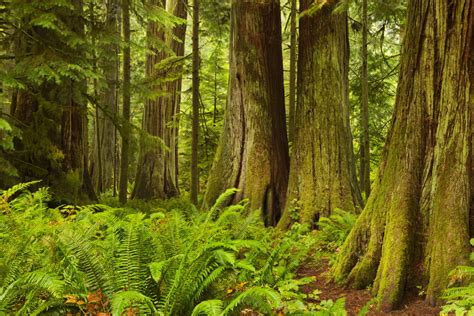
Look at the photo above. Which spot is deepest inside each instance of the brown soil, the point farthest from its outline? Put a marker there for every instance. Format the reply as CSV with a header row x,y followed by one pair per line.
x,y
357,299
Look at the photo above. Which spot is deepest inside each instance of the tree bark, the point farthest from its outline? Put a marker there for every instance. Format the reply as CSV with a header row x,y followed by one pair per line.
x,y
322,173
103,154
364,172
195,128
125,130
415,227
293,65
157,173
253,151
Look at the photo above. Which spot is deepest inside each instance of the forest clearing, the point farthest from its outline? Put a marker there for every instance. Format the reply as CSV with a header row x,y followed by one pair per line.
x,y
236,157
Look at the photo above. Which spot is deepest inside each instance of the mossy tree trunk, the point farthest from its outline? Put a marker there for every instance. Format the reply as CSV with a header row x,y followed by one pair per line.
x,y
157,173
415,227
322,173
253,151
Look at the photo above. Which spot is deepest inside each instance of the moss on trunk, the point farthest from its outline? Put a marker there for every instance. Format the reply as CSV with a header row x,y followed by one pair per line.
x,y
253,151
322,173
157,173
415,227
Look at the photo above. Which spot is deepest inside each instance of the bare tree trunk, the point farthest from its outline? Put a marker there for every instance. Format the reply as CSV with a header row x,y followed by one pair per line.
x,y
293,52
195,129
364,172
415,227
253,152
322,173
157,173
125,131
103,155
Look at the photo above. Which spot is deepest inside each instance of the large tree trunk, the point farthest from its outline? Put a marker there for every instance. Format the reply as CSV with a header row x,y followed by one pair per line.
x,y
322,173
253,152
103,155
157,174
415,227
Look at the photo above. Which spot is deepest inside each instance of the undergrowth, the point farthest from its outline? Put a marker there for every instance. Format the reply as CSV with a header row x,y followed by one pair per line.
x,y
460,298
169,260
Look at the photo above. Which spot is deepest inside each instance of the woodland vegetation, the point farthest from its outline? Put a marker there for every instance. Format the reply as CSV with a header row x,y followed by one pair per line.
x,y
236,157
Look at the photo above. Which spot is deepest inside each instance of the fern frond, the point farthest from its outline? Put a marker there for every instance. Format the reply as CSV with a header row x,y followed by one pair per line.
x,y
222,200
132,300
89,262
262,298
132,259
208,308
48,281
7,194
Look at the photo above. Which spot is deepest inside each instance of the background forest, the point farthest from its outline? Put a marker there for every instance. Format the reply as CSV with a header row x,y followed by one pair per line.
x,y
236,157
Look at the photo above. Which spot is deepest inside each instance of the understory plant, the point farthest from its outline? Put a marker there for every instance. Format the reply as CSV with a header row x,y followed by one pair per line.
x,y
104,260
460,298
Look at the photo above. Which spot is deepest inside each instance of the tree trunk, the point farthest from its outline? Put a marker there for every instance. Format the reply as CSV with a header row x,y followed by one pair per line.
x,y
253,151
54,116
364,172
293,65
125,131
157,174
103,155
415,227
322,173
195,129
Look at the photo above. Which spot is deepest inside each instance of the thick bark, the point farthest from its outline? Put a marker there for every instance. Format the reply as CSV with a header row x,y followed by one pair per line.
x,y
125,131
103,155
293,65
253,152
415,227
322,173
157,174
364,171
195,129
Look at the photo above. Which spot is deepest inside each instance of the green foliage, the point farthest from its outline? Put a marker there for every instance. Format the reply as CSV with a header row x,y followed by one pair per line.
x,y
166,261
333,230
460,299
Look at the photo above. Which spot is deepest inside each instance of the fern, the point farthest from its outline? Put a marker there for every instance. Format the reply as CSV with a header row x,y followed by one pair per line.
x,y
262,298
7,194
460,299
133,300
208,308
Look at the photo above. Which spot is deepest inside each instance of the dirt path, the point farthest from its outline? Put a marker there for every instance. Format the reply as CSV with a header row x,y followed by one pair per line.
x,y
357,299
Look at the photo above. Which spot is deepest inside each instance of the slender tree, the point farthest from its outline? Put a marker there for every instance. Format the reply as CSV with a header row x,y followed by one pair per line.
x,y
103,153
125,131
195,125
415,226
293,65
322,174
157,173
364,171
253,152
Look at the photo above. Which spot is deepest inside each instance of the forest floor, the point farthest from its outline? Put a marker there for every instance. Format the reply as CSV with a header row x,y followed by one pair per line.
x,y
356,300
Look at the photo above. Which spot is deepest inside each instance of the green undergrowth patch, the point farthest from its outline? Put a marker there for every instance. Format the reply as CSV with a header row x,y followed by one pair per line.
x,y
169,259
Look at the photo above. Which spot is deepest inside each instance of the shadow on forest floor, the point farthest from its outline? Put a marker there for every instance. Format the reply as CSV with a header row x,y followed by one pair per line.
x,y
357,299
